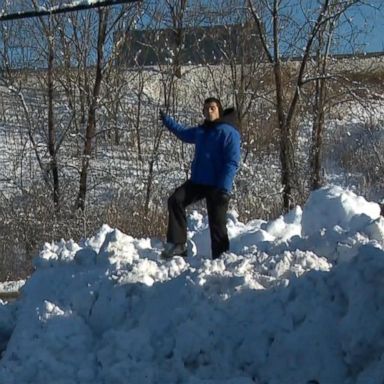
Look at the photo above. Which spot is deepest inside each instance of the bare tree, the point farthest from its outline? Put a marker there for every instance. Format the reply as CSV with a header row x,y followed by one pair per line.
x,y
325,36
287,100
164,41
48,29
106,24
91,124
17,54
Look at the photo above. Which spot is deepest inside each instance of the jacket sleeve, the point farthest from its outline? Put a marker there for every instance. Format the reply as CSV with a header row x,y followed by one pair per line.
x,y
231,160
187,135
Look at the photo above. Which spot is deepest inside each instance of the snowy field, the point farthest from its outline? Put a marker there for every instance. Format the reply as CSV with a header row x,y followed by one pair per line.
x,y
298,300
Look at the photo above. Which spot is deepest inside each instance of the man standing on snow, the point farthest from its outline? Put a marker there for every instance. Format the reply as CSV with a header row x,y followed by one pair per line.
x,y
216,160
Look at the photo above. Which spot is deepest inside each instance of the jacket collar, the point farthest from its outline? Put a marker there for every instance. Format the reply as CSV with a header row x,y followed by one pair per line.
x,y
211,124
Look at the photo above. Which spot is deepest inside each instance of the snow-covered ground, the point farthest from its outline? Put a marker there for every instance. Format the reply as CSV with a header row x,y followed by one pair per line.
x,y
297,300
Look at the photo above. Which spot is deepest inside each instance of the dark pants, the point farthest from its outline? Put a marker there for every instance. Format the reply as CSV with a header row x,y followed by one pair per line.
x,y
217,206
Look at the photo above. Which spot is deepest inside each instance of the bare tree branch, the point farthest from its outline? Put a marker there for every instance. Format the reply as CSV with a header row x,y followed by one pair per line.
x,y
65,8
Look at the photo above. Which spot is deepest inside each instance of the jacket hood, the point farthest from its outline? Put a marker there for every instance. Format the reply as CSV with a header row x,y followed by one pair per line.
x,y
230,117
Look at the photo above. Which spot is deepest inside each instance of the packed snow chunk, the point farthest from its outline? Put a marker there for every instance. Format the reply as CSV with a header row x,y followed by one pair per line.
x,y
148,272
375,231
235,227
247,240
198,232
297,263
57,346
196,221
95,242
244,237
50,310
120,249
332,205
53,253
11,286
285,227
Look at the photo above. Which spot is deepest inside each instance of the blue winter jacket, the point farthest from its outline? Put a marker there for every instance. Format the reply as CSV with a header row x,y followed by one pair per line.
x,y
217,152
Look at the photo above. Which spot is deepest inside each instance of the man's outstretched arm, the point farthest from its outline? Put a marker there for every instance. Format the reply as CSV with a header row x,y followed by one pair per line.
x,y
187,135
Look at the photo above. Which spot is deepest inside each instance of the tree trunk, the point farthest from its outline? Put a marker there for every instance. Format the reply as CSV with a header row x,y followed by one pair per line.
x,y
138,116
150,178
286,148
319,107
51,126
91,125
317,135
285,132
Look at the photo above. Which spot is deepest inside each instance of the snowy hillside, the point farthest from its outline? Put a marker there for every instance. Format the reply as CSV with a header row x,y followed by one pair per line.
x,y
297,300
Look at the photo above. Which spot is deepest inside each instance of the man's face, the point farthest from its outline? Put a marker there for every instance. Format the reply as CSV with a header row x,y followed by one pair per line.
x,y
211,111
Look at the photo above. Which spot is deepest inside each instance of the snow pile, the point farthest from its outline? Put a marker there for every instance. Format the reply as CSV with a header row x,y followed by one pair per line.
x,y
297,299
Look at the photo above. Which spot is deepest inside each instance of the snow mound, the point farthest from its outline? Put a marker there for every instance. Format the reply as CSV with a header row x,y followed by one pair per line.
x,y
296,299
332,206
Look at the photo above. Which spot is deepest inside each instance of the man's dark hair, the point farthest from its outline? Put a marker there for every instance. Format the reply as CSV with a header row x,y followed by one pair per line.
x,y
218,103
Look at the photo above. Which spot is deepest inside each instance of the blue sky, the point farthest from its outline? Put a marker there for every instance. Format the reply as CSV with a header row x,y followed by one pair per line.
x,y
360,29
373,21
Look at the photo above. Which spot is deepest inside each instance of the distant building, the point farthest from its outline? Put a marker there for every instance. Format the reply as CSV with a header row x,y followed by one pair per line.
x,y
200,45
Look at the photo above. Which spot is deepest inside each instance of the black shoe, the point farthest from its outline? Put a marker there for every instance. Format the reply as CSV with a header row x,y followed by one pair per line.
x,y
171,249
